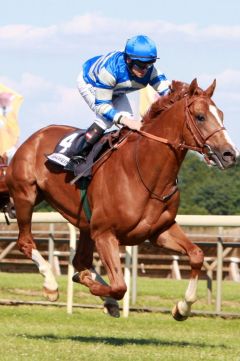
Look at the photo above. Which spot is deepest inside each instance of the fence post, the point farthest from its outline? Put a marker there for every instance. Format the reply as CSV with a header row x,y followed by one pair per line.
x,y
72,247
127,278
219,271
134,273
234,270
51,246
209,286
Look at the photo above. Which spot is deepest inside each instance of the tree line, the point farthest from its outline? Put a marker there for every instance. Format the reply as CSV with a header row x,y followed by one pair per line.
x,y
208,190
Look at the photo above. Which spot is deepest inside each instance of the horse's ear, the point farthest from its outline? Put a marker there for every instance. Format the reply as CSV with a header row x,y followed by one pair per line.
x,y
192,87
210,90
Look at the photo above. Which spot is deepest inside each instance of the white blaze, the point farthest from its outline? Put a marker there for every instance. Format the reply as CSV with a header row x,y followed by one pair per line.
x,y
214,112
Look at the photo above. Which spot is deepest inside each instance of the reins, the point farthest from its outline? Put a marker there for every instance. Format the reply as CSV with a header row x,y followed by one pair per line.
x,y
191,124
166,141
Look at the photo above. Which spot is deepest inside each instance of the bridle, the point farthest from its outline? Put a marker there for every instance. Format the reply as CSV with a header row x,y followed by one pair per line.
x,y
196,132
202,147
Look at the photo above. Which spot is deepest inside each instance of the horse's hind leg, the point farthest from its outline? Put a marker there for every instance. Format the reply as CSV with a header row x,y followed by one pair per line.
x,y
83,260
25,196
175,239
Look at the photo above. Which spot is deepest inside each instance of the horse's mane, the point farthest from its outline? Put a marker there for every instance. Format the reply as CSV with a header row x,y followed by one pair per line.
x,y
178,91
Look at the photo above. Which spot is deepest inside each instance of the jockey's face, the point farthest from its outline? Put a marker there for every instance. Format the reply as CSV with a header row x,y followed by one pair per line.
x,y
139,73
139,68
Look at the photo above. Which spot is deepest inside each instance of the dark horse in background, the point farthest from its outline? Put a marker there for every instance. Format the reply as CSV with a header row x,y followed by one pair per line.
x,y
6,205
133,194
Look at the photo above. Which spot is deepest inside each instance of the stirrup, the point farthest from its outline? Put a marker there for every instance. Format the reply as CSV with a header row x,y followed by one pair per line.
x,y
74,161
78,159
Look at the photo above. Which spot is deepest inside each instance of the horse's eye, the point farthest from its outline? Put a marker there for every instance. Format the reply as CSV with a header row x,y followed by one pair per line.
x,y
200,118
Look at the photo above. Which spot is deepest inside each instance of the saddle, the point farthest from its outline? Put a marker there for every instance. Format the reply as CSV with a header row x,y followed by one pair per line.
x,y
68,145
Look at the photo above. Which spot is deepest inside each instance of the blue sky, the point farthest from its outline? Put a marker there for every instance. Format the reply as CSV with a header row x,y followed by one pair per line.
x,y
43,45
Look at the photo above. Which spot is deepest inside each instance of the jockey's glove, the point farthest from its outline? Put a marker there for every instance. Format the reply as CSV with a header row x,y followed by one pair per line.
x,y
130,123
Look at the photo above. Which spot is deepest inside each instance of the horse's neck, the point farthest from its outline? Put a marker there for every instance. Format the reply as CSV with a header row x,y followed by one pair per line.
x,y
169,123
160,163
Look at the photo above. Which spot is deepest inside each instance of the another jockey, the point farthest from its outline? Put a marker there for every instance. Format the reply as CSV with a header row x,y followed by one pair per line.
x,y
104,82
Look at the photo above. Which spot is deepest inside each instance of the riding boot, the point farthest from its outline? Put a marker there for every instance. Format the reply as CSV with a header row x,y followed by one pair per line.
x,y
92,135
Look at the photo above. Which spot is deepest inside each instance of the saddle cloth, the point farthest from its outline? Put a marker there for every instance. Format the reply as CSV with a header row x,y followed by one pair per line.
x,y
68,146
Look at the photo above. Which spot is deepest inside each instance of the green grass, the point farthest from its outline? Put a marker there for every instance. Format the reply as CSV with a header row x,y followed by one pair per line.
x,y
40,333
37,333
166,292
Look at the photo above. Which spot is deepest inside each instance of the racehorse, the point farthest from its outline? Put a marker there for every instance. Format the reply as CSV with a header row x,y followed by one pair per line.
x,y
133,194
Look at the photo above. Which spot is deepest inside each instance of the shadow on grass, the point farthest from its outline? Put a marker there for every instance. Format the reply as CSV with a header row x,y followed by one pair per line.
x,y
119,341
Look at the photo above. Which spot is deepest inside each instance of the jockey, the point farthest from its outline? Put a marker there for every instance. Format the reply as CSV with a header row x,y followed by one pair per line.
x,y
106,79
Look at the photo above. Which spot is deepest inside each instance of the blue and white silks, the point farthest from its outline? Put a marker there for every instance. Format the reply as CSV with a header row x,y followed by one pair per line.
x,y
105,81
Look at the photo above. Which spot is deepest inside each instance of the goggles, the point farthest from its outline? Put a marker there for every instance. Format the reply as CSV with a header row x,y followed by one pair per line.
x,y
142,65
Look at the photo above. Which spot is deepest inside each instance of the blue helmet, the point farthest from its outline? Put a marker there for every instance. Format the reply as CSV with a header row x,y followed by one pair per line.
x,y
141,48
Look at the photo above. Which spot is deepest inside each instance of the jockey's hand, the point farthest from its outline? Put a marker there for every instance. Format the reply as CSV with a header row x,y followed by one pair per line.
x,y
131,123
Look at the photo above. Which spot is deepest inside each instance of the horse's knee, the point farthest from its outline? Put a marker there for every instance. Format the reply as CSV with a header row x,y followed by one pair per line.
x,y
118,292
196,257
26,247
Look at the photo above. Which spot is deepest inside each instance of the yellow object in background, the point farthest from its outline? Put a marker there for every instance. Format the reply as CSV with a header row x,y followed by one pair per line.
x,y
147,96
10,103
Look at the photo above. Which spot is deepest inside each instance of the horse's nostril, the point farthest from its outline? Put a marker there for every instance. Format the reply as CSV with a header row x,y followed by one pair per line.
x,y
229,155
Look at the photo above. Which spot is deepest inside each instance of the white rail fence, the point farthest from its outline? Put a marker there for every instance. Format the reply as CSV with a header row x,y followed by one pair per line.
x,y
131,252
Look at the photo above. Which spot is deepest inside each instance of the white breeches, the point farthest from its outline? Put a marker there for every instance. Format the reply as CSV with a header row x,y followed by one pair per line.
x,y
87,91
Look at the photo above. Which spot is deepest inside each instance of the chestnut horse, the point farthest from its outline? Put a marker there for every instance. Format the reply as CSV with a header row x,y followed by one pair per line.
x,y
133,194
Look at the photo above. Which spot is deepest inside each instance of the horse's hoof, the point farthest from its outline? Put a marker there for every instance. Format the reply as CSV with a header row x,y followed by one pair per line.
x,y
76,277
177,315
50,295
112,309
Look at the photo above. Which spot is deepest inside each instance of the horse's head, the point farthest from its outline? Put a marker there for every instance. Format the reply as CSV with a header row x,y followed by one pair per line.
x,y
204,123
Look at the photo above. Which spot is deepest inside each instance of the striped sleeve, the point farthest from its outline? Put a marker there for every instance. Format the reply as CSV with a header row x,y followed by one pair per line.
x,y
104,93
159,82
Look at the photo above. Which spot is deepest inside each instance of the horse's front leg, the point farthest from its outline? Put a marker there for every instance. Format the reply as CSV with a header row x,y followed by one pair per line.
x,y
82,261
175,239
108,250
